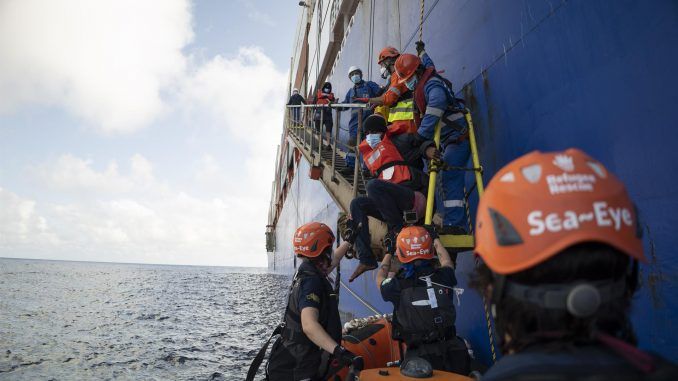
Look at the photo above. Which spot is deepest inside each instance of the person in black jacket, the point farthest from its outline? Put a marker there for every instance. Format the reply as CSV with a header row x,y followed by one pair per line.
x,y
423,300
311,333
395,159
296,100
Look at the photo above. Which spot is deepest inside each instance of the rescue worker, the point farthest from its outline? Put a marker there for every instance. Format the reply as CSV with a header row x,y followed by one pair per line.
x,y
311,333
423,300
296,100
435,100
561,242
397,96
323,114
360,90
395,160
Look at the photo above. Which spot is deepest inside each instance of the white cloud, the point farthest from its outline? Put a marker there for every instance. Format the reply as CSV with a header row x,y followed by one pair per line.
x,y
105,61
144,222
69,172
20,223
256,15
245,95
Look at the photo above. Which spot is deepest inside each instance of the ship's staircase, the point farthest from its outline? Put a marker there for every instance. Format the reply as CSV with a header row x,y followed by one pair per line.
x,y
327,157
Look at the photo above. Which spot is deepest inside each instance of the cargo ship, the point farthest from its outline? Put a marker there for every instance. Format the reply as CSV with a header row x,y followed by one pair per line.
x,y
544,75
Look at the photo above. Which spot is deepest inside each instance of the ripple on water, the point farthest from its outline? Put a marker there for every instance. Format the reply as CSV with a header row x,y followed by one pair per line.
x,y
72,320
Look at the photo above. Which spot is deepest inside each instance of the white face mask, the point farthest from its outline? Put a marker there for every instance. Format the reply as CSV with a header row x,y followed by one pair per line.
x,y
384,72
373,140
412,83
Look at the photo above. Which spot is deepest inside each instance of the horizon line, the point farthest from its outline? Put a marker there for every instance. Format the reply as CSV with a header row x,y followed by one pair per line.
x,y
131,263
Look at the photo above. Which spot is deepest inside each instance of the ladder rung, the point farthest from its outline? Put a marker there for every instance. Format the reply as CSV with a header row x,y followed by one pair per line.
x,y
458,242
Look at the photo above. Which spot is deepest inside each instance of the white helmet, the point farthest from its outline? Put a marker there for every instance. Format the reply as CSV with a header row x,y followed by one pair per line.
x,y
354,68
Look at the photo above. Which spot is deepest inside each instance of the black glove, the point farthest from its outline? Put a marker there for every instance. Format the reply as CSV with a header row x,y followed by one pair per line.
x,y
347,228
343,355
419,45
431,229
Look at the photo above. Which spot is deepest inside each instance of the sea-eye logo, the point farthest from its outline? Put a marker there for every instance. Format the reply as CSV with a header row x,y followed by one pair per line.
x,y
602,215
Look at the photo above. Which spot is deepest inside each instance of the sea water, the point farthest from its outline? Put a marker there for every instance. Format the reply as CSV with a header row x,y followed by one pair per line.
x,y
95,321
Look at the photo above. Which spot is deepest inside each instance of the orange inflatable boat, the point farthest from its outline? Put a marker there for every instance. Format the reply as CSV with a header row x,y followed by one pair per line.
x,y
370,338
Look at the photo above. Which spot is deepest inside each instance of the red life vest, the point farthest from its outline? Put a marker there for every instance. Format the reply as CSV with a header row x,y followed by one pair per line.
x,y
323,98
420,94
385,161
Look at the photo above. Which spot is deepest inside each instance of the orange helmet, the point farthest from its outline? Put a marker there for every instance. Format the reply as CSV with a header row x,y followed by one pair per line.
x,y
406,65
412,243
311,239
387,52
542,203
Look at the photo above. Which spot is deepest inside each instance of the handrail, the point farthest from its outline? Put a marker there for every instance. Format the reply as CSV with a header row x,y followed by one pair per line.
x,y
307,124
357,164
332,105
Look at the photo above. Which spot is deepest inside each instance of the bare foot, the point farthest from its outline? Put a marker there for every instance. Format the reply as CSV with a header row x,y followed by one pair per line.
x,y
359,270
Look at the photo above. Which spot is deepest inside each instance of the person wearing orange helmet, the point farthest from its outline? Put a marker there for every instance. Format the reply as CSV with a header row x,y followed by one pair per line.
x,y
561,242
311,331
401,115
422,296
436,102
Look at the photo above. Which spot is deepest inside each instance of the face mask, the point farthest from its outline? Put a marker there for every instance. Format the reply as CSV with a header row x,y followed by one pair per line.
x,y
355,78
384,72
326,91
412,83
373,139
294,93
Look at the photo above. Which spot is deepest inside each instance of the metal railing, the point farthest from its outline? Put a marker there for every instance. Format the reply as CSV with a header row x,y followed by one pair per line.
x,y
308,125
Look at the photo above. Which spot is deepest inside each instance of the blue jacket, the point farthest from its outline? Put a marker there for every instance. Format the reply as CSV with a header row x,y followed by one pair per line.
x,y
364,89
438,99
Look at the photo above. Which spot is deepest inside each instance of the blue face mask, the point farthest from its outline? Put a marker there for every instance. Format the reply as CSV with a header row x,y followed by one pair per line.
x,y
326,90
412,83
355,78
373,139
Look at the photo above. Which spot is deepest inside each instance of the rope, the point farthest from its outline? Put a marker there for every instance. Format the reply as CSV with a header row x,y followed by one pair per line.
x,y
361,300
421,22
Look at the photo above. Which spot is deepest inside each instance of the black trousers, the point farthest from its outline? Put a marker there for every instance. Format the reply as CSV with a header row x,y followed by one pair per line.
x,y
386,202
293,363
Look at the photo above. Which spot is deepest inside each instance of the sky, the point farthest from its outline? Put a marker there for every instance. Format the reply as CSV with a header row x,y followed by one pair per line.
x,y
141,131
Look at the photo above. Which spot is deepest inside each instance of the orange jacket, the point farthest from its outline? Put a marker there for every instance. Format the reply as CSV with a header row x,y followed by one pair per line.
x,y
394,91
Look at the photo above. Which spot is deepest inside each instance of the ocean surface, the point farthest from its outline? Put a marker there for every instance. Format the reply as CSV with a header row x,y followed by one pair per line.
x,y
96,321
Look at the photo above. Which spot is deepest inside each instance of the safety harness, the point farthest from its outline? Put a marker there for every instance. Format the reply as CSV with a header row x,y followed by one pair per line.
x,y
425,314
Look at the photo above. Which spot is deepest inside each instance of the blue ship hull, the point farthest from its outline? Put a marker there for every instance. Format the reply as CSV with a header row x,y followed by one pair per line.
x,y
537,75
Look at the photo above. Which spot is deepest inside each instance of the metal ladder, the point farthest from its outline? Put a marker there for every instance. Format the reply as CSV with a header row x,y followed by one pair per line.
x,y
466,242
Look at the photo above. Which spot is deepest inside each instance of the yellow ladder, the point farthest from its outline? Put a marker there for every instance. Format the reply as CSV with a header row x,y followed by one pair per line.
x,y
456,243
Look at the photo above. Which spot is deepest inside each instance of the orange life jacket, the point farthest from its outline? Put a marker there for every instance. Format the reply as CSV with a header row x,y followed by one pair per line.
x,y
420,94
323,98
384,161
